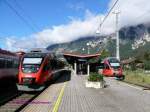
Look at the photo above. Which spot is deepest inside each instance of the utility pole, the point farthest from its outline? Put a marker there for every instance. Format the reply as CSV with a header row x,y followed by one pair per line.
x,y
117,35
88,65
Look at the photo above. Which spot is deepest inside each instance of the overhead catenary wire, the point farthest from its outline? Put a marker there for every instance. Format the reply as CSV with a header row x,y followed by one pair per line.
x,y
19,15
27,15
108,14
32,26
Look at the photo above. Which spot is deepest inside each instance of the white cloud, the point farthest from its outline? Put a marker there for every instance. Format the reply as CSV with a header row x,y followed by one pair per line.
x,y
76,6
132,13
75,29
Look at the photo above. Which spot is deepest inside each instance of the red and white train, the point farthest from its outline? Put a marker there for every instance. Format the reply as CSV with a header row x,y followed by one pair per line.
x,y
111,67
36,69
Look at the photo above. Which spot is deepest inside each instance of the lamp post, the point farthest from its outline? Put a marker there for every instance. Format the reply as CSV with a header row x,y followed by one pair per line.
x,y
83,49
117,35
88,49
88,66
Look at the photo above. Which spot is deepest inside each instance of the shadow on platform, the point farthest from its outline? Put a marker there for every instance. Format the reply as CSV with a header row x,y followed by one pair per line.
x,y
64,75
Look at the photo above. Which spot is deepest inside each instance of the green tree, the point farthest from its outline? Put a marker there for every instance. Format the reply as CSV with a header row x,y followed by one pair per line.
x,y
146,56
147,64
105,53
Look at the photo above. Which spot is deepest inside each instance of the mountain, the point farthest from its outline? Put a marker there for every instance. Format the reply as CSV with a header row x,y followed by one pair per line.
x,y
134,41
139,35
79,45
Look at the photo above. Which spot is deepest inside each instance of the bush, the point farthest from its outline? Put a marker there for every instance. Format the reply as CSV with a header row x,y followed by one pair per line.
x,y
147,65
95,77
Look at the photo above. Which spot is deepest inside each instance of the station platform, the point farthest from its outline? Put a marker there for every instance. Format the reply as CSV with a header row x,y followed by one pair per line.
x,y
78,98
71,95
67,96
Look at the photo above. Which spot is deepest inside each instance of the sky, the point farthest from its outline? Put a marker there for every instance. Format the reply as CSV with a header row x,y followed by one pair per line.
x,y
28,24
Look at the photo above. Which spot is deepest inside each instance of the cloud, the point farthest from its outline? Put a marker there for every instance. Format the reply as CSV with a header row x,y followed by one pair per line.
x,y
76,6
133,12
75,29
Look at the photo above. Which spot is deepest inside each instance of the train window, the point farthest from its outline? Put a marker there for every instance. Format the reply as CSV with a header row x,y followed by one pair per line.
x,y
15,64
49,66
53,63
113,60
46,67
101,66
2,63
32,61
9,63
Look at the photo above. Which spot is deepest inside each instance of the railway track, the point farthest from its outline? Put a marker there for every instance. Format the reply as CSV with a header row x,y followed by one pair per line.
x,y
19,102
21,99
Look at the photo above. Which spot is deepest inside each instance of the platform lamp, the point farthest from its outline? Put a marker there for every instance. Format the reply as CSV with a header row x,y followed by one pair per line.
x,y
88,66
83,50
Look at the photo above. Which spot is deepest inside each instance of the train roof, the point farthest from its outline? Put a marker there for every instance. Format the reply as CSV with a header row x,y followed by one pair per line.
x,y
35,54
108,58
111,59
39,52
5,52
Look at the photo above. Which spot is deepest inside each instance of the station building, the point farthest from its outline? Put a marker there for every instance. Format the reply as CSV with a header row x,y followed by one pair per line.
x,y
80,62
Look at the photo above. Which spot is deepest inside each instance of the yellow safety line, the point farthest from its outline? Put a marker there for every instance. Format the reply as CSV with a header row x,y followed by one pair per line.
x,y
56,106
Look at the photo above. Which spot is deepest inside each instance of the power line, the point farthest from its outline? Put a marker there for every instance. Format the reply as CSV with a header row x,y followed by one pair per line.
x,y
27,15
33,27
19,15
108,13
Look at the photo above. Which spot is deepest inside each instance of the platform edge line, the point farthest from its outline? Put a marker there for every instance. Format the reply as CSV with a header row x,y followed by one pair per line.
x,y
56,106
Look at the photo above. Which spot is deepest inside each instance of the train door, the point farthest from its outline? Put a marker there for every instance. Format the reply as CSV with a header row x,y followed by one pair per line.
x,y
47,70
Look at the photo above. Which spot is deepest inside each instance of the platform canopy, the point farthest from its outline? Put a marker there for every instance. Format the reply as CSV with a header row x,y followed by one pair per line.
x,y
74,57
79,61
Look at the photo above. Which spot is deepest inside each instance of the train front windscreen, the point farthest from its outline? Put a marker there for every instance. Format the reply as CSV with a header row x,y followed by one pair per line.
x,y
31,65
114,63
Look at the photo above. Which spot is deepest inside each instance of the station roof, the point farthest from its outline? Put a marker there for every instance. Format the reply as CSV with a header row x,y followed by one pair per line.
x,y
71,57
77,55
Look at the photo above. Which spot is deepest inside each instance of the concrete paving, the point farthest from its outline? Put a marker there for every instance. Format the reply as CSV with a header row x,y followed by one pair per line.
x,y
116,97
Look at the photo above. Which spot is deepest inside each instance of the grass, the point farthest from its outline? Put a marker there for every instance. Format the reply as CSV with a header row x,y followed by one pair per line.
x,y
137,77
